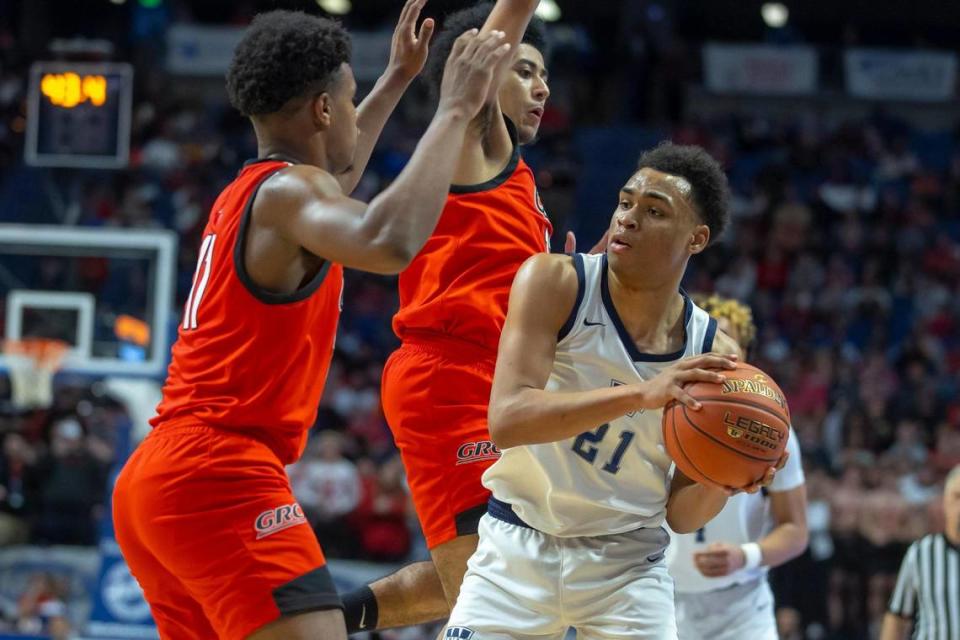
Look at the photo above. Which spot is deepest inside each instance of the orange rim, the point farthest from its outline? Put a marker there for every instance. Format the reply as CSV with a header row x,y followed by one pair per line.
x,y
47,352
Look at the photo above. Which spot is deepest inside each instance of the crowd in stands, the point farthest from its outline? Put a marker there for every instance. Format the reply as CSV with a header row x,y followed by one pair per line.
x,y
845,242
54,467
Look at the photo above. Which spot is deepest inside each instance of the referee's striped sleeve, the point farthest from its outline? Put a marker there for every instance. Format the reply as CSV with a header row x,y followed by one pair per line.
x,y
903,602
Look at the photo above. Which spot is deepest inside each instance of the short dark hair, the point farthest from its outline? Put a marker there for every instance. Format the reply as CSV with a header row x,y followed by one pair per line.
x,y
471,18
711,190
284,55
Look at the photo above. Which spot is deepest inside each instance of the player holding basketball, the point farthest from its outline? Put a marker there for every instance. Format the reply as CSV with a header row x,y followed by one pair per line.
x,y
453,301
593,347
203,510
720,572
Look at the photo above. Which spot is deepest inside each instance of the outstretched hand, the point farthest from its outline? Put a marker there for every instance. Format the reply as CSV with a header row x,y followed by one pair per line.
x,y
409,48
468,73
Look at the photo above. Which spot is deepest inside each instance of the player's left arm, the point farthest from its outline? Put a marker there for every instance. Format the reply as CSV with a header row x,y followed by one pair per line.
x,y
408,53
788,504
692,505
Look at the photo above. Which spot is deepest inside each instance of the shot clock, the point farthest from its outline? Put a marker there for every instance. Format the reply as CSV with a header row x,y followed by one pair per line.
x,y
78,114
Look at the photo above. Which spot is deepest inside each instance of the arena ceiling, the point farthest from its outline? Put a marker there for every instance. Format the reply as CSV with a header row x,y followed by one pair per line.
x,y
931,23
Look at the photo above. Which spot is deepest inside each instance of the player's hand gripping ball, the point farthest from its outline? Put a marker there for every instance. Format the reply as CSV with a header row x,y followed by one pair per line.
x,y
737,435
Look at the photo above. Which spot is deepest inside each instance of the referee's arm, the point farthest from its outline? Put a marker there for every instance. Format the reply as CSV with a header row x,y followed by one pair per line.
x,y
899,618
895,627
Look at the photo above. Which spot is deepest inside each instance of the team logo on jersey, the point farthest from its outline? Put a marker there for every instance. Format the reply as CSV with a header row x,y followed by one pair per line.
x,y
543,212
632,414
477,451
459,633
751,430
758,386
273,520
536,198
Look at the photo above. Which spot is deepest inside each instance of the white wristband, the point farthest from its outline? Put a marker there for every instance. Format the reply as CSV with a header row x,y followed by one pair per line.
x,y
752,554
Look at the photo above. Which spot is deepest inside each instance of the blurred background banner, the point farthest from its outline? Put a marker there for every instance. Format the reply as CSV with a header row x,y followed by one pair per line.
x,y
884,74
195,50
760,69
205,51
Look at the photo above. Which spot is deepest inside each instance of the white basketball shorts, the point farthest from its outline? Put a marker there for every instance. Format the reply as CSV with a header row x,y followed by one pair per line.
x,y
522,583
733,613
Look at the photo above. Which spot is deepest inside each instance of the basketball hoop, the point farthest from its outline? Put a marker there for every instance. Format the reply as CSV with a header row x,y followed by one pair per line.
x,y
32,363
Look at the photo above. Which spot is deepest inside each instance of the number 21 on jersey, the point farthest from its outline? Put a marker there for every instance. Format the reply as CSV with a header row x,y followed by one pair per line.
x,y
589,452
200,278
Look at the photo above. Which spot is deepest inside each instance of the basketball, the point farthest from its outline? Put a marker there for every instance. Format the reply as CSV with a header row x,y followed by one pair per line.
x,y
739,432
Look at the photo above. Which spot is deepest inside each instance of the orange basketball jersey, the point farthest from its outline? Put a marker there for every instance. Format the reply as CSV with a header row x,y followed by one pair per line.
x,y
248,360
459,283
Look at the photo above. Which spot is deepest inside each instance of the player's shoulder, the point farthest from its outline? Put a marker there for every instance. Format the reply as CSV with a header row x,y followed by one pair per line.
x,y
723,343
553,271
296,184
547,282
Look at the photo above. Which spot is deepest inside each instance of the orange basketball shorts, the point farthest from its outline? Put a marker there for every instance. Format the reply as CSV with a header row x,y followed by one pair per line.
x,y
209,527
435,397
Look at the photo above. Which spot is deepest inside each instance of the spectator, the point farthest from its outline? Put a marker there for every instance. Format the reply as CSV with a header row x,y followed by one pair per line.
x,y
42,608
920,486
846,579
908,449
946,448
883,516
803,583
73,487
16,499
383,514
327,486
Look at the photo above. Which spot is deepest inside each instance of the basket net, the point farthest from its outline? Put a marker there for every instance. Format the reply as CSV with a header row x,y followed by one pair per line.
x,y
32,362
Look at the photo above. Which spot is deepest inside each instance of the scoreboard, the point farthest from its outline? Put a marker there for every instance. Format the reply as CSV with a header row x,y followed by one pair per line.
x,y
78,114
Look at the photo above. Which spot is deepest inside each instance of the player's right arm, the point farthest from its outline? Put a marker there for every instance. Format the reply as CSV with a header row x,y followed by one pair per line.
x,y
521,410
306,207
489,147
511,17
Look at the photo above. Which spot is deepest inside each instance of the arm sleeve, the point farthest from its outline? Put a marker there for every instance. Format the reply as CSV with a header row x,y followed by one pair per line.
x,y
903,602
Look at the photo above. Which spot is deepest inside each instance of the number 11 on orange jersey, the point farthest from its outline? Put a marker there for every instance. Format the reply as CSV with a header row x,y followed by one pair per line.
x,y
200,278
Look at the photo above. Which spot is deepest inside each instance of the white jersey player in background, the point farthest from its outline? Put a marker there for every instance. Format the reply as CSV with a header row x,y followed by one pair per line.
x,y
720,571
593,347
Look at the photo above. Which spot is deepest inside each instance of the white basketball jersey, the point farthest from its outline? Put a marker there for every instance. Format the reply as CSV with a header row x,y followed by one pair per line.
x,y
745,518
616,477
